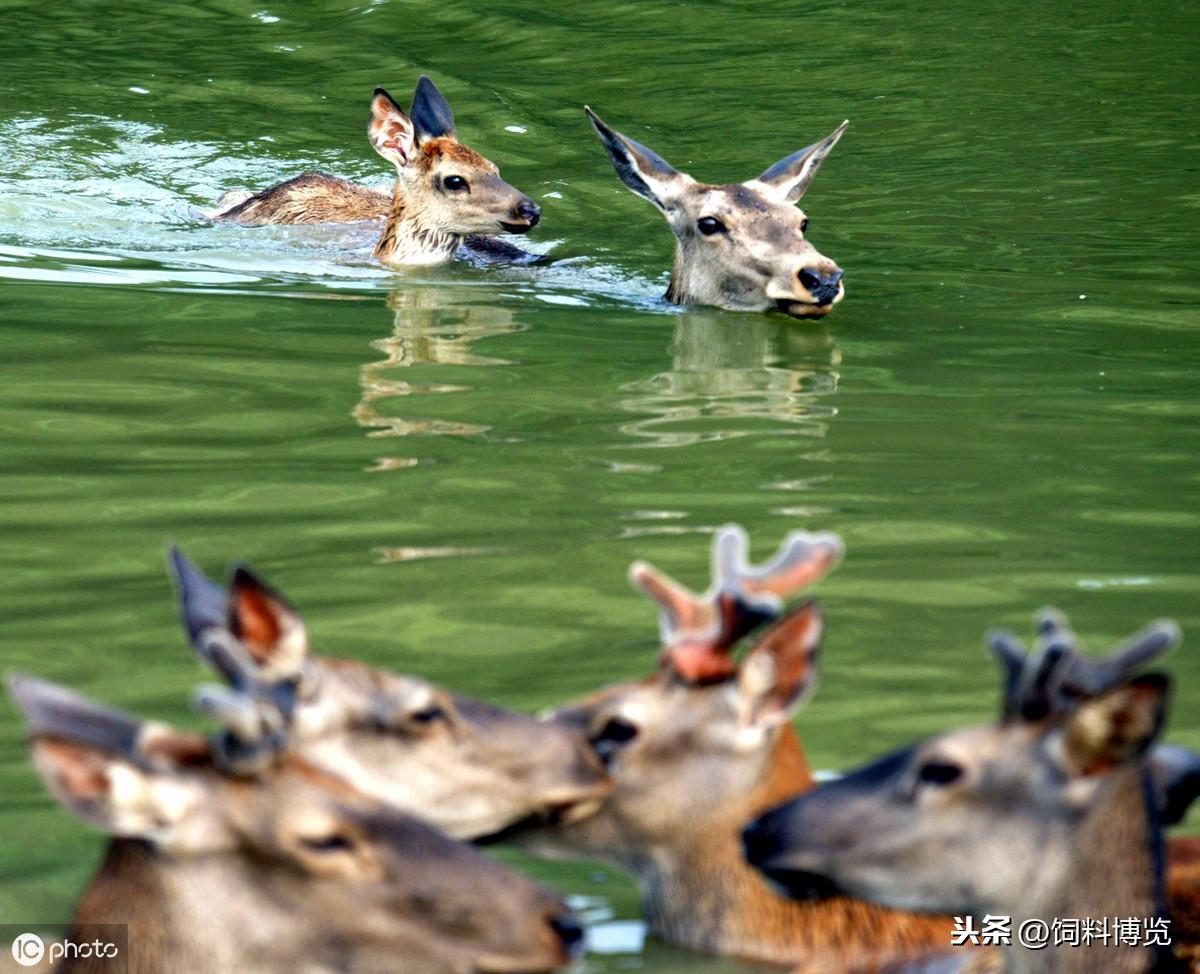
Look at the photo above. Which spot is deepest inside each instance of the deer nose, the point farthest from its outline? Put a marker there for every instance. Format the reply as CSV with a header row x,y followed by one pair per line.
x,y
528,211
569,932
822,285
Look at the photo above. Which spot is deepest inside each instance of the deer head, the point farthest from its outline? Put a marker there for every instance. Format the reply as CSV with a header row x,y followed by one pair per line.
x,y
1046,814
278,868
468,767
446,187
688,748
742,246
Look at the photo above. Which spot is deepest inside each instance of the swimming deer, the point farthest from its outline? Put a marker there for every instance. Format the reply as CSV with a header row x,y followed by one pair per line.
x,y
742,246
447,202
1049,814
467,767
702,746
216,868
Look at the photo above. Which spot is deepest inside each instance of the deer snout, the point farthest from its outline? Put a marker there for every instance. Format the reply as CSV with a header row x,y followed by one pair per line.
x,y
525,216
824,284
568,932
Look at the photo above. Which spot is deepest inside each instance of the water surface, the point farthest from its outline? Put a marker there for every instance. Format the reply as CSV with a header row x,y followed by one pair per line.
x,y
449,469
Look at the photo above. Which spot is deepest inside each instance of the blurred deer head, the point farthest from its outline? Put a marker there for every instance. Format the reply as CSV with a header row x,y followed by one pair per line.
x,y
692,746
1048,813
221,863
468,767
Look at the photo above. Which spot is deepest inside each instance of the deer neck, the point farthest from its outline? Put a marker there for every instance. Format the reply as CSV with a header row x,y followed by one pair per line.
x,y
1114,869
190,915
700,892
411,237
697,280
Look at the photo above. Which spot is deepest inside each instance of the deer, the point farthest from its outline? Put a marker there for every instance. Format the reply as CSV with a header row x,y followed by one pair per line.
x,y
703,745
231,853
467,767
740,246
449,201
1050,813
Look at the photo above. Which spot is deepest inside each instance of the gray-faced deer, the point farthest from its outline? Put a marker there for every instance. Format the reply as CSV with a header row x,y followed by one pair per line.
x,y
703,745
467,767
1049,814
742,246
448,198
215,868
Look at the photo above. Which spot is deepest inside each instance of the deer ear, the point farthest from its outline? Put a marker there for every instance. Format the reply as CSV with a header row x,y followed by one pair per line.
x,y
267,626
202,602
780,671
390,130
431,114
1116,728
108,768
788,179
1175,772
640,169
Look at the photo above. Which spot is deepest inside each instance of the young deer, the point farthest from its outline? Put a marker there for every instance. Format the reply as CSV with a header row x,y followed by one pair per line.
x,y
1049,814
741,246
467,767
702,746
216,869
448,198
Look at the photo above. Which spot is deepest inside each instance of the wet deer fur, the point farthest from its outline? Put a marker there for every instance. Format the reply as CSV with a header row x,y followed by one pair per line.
x,y
448,199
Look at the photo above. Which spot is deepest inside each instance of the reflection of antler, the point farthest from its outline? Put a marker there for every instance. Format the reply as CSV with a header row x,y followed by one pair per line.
x,y
1054,676
698,631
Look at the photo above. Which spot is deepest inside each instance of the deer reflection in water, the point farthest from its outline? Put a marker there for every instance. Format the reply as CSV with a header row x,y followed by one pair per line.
x,y
431,326
734,376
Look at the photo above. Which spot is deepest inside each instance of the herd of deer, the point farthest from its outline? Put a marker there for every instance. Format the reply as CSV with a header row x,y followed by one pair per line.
x,y
318,829
323,827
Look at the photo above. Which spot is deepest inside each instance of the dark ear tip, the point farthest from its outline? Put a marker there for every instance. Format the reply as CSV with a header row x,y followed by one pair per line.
x,y
383,93
425,88
178,563
1155,680
19,688
243,576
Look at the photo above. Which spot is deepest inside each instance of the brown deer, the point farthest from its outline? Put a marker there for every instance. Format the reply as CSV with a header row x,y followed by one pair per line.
x,y
702,746
1049,814
742,246
287,868
448,201
467,767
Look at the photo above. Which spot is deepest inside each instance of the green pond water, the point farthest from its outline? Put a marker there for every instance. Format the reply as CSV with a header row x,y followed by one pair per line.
x,y
449,469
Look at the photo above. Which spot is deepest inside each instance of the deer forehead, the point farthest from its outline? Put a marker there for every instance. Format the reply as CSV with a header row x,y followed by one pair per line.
x,y
445,150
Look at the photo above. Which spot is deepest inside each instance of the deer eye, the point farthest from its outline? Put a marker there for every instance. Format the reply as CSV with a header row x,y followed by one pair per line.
x,y
708,225
454,183
335,842
428,715
939,773
804,225
609,739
